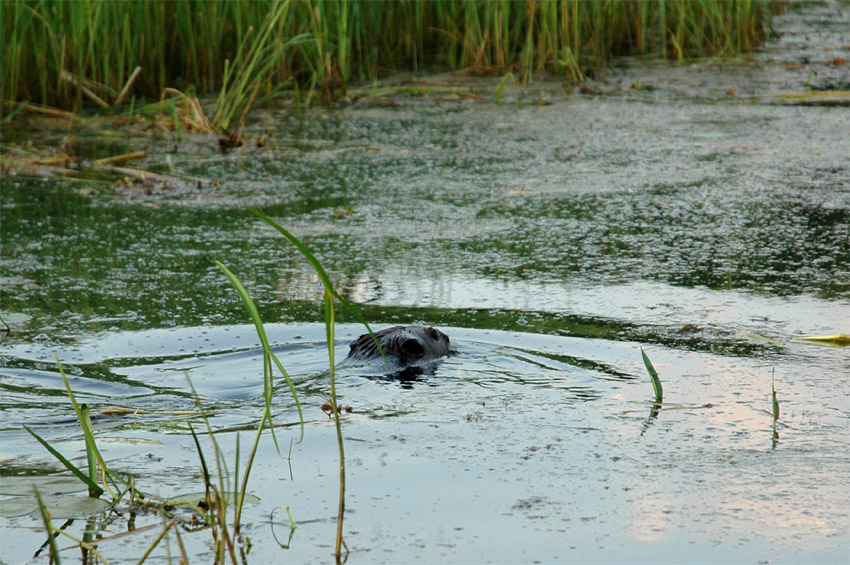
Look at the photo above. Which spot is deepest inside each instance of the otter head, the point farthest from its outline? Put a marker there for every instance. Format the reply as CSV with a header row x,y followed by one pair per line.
x,y
403,345
423,343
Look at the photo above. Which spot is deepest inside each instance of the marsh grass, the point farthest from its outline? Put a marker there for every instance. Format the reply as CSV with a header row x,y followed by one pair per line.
x,y
216,498
330,294
653,375
774,401
89,52
100,479
93,456
775,406
49,528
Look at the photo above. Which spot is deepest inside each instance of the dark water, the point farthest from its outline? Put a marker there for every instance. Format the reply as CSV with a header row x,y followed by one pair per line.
x,y
550,241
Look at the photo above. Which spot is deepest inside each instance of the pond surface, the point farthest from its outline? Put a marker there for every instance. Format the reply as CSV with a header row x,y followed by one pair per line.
x,y
551,236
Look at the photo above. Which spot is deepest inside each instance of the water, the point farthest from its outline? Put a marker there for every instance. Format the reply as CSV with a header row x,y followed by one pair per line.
x,y
549,241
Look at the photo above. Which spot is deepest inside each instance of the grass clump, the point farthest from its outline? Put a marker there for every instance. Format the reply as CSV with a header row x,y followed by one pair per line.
x,y
67,54
210,507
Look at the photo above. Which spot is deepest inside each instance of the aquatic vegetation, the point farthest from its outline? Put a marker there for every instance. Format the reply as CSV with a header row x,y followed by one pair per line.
x,y
258,57
774,406
330,294
653,375
68,54
92,453
48,526
775,402
215,499
834,340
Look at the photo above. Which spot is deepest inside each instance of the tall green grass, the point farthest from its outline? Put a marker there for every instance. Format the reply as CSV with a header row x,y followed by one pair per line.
x,y
217,495
53,49
330,296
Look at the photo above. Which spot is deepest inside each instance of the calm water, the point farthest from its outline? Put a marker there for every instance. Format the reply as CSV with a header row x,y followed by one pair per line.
x,y
549,241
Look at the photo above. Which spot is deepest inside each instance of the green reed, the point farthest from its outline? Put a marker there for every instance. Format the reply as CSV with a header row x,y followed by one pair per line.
x,y
49,528
53,51
653,376
774,401
330,295
93,457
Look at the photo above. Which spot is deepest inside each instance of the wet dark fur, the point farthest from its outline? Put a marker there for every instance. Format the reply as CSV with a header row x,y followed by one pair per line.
x,y
403,345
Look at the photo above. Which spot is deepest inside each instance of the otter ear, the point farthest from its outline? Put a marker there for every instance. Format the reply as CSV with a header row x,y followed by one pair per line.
x,y
413,347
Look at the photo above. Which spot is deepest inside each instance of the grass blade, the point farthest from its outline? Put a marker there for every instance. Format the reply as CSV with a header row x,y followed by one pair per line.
x,y
45,517
653,375
261,333
330,321
773,398
775,406
88,432
268,358
93,486
326,281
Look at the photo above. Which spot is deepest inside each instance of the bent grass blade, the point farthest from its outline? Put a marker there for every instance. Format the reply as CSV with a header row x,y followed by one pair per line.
x,y
267,350
775,402
93,455
269,357
653,375
326,281
94,489
775,406
330,320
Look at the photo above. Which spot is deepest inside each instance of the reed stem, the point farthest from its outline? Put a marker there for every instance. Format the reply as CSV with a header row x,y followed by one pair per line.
x,y
67,54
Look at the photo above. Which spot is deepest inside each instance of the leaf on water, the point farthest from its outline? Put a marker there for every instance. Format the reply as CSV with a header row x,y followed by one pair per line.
x,y
60,506
120,411
129,441
758,337
836,339
94,488
815,98
195,498
47,484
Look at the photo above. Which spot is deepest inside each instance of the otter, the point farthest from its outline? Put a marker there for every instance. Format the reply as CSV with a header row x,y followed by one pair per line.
x,y
404,346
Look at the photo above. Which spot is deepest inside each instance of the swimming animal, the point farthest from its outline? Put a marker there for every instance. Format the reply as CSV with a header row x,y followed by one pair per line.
x,y
404,346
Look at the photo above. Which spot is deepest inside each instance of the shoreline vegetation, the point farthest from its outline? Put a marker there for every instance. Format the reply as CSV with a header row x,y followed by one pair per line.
x,y
99,53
